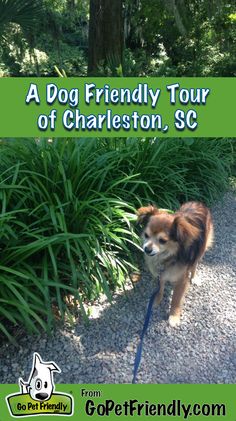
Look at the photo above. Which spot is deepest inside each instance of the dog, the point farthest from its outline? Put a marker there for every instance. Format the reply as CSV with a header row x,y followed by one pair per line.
x,y
173,244
40,384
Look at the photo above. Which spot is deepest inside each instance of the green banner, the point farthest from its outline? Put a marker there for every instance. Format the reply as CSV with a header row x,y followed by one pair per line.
x,y
136,402
117,107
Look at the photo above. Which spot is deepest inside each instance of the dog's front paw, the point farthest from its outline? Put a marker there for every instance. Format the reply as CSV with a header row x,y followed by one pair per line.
x,y
174,320
197,280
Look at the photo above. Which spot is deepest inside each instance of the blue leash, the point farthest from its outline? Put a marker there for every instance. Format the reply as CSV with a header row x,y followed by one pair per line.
x,y
145,327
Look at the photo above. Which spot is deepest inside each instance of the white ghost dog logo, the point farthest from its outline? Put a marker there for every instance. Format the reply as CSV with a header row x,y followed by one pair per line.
x,y
40,385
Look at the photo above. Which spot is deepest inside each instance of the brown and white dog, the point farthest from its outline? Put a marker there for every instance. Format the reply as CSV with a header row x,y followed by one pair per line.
x,y
173,245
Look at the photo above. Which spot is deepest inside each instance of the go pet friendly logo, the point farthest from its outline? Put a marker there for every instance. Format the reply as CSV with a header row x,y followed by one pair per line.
x,y
37,396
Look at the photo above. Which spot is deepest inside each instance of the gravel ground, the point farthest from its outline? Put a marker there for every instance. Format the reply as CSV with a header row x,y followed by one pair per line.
x,y
201,350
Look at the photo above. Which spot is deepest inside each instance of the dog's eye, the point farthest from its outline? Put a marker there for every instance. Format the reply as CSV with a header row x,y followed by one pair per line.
x,y
45,385
38,384
146,235
162,241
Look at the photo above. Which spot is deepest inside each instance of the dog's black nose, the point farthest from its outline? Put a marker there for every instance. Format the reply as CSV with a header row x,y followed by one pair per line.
x,y
147,250
41,396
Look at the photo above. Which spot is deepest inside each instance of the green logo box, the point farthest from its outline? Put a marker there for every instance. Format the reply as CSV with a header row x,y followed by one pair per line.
x,y
23,405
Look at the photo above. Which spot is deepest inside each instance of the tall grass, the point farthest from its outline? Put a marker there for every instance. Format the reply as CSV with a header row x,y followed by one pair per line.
x,y
67,212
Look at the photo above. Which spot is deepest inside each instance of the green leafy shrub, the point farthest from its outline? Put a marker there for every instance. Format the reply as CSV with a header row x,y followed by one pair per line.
x,y
38,62
67,208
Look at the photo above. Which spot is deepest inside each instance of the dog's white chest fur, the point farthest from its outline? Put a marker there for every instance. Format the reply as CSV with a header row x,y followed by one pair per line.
x,y
172,272
154,264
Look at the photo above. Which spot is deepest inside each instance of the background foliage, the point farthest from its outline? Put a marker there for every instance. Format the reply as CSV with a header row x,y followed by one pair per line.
x,y
162,37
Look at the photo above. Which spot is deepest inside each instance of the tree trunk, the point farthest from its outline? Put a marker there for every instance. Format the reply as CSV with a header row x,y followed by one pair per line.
x,y
71,5
105,36
172,5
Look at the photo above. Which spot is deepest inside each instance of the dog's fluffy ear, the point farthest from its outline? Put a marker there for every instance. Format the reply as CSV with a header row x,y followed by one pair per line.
x,y
183,231
145,213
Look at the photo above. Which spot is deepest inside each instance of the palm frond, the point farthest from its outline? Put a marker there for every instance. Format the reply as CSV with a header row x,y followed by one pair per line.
x,y
23,12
